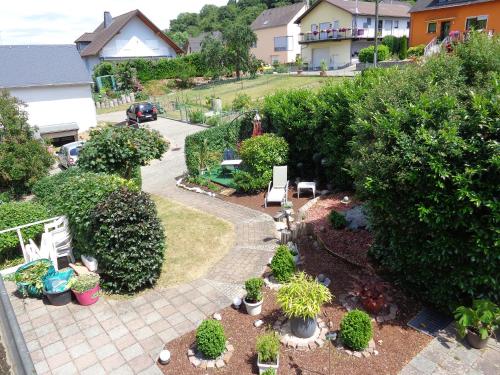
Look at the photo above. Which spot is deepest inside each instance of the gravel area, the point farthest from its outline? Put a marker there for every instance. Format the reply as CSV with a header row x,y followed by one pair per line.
x,y
350,244
396,343
4,367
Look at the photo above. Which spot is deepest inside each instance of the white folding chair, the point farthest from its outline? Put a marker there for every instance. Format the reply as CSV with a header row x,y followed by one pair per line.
x,y
277,190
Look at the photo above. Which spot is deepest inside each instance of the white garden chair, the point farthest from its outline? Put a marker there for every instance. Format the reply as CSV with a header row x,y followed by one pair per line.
x,y
277,191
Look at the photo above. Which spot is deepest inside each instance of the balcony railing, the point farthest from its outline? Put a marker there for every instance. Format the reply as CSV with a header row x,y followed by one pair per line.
x,y
335,34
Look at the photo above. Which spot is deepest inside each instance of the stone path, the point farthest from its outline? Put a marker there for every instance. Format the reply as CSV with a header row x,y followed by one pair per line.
x,y
125,336
445,355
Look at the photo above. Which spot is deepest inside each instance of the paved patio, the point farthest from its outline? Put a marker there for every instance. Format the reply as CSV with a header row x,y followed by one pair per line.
x,y
125,336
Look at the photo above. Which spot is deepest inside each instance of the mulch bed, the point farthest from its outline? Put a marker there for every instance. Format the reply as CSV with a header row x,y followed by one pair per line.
x,y
352,245
396,343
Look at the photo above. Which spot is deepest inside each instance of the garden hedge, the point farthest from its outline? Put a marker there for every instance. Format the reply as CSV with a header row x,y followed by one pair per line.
x,y
366,55
425,158
205,149
128,241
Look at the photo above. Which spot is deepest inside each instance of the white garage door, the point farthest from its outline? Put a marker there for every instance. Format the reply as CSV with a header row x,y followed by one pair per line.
x,y
319,54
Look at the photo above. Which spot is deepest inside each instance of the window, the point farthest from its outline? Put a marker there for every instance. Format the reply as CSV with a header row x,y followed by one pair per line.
x,y
431,27
322,28
283,43
476,23
396,24
388,25
314,27
368,23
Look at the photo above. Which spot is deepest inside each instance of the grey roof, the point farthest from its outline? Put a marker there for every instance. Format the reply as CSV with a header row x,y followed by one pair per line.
x,y
422,5
41,65
390,9
194,43
277,16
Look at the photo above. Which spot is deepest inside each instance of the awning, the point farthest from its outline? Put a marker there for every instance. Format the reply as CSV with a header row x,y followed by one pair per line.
x,y
68,129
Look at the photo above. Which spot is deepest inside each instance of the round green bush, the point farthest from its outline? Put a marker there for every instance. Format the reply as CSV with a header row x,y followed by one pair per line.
x,y
128,241
337,220
282,264
210,338
356,329
366,55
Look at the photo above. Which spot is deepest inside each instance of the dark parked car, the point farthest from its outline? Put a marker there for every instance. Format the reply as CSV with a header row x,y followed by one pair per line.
x,y
140,112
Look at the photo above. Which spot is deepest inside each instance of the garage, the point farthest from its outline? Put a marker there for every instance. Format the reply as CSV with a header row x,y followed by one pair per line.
x,y
318,55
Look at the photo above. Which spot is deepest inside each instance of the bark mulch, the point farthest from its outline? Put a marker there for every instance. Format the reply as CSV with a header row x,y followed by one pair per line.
x,y
396,343
352,245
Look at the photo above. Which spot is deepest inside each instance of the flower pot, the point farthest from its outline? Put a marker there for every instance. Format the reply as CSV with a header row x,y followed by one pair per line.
x,y
58,298
264,366
303,327
475,340
88,297
253,308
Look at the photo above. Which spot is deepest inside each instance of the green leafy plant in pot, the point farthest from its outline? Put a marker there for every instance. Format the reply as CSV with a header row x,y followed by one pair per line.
x,y
268,349
85,288
477,323
253,300
301,300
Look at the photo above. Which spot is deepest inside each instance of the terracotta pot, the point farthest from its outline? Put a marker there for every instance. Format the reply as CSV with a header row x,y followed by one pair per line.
x,y
475,340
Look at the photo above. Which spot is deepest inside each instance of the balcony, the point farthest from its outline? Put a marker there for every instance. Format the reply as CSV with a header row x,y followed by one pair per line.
x,y
334,34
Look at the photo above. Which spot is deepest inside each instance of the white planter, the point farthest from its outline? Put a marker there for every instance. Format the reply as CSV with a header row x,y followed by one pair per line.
x,y
264,366
253,308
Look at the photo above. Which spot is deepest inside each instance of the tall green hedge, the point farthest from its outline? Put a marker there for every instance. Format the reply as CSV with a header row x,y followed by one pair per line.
x,y
425,158
206,148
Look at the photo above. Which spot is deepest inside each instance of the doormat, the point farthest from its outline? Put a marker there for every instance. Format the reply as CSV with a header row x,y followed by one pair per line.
x,y
430,321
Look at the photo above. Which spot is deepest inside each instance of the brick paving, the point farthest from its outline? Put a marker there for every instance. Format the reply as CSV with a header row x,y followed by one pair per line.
x,y
446,355
124,336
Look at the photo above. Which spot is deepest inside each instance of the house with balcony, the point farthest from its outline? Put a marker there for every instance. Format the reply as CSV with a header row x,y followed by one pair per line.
x,y
127,36
278,34
335,30
432,21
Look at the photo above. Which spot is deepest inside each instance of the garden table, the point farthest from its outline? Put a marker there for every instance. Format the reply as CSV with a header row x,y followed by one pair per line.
x,y
306,185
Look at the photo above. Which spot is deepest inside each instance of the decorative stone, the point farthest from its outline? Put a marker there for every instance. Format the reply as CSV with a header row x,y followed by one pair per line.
x,y
217,316
327,282
196,362
319,342
190,352
211,364
164,357
321,277
220,363
365,354
357,354
230,348
375,352
237,302
258,323
227,356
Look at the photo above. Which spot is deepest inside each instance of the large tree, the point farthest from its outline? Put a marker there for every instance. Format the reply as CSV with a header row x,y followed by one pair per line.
x,y
23,159
238,39
213,54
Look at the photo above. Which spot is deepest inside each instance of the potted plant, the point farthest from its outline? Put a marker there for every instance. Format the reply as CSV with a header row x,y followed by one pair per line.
x,y
268,349
299,63
85,288
301,300
478,322
253,300
323,67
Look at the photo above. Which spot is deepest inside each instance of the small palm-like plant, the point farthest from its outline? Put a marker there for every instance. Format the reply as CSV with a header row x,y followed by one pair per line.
x,y
482,318
303,297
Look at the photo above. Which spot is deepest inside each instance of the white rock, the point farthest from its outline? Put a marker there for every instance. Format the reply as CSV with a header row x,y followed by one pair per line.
x,y
217,316
258,323
375,352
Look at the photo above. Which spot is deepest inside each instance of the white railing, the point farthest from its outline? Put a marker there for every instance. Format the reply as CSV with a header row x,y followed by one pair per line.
x,y
20,235
430,47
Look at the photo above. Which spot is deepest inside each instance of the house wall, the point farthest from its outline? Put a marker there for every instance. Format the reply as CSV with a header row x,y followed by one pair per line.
x,y
49,105
325,12
457,15
265,44
136,40
339,53
294,30
369,32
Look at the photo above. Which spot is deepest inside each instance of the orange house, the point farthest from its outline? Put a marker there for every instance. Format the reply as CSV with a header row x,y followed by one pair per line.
x,y
437,18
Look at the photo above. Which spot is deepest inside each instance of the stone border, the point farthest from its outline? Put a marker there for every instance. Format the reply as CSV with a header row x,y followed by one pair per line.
x,y
272,283
351,302
199,361
198,190
317,340
369,351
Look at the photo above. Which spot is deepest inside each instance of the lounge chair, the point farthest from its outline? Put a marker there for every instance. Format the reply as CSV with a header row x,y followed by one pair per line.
x,y
277,191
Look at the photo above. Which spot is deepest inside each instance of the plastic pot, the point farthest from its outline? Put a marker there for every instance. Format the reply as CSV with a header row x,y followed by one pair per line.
x,y
253,308
303,327
58,298
88,297
263,366
475,340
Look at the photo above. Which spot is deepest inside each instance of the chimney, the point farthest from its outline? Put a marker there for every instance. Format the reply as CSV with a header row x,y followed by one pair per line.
x,y
107,19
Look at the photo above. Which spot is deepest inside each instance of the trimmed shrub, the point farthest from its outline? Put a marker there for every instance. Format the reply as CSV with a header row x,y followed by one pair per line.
x,y
121,150
128,241
241,102
393,43
366,54
425,158
253,288
416,51
403,49
210,338
13,214
282,264
75,194
196,116
356,329
259,155
268,347
205,149
337,220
